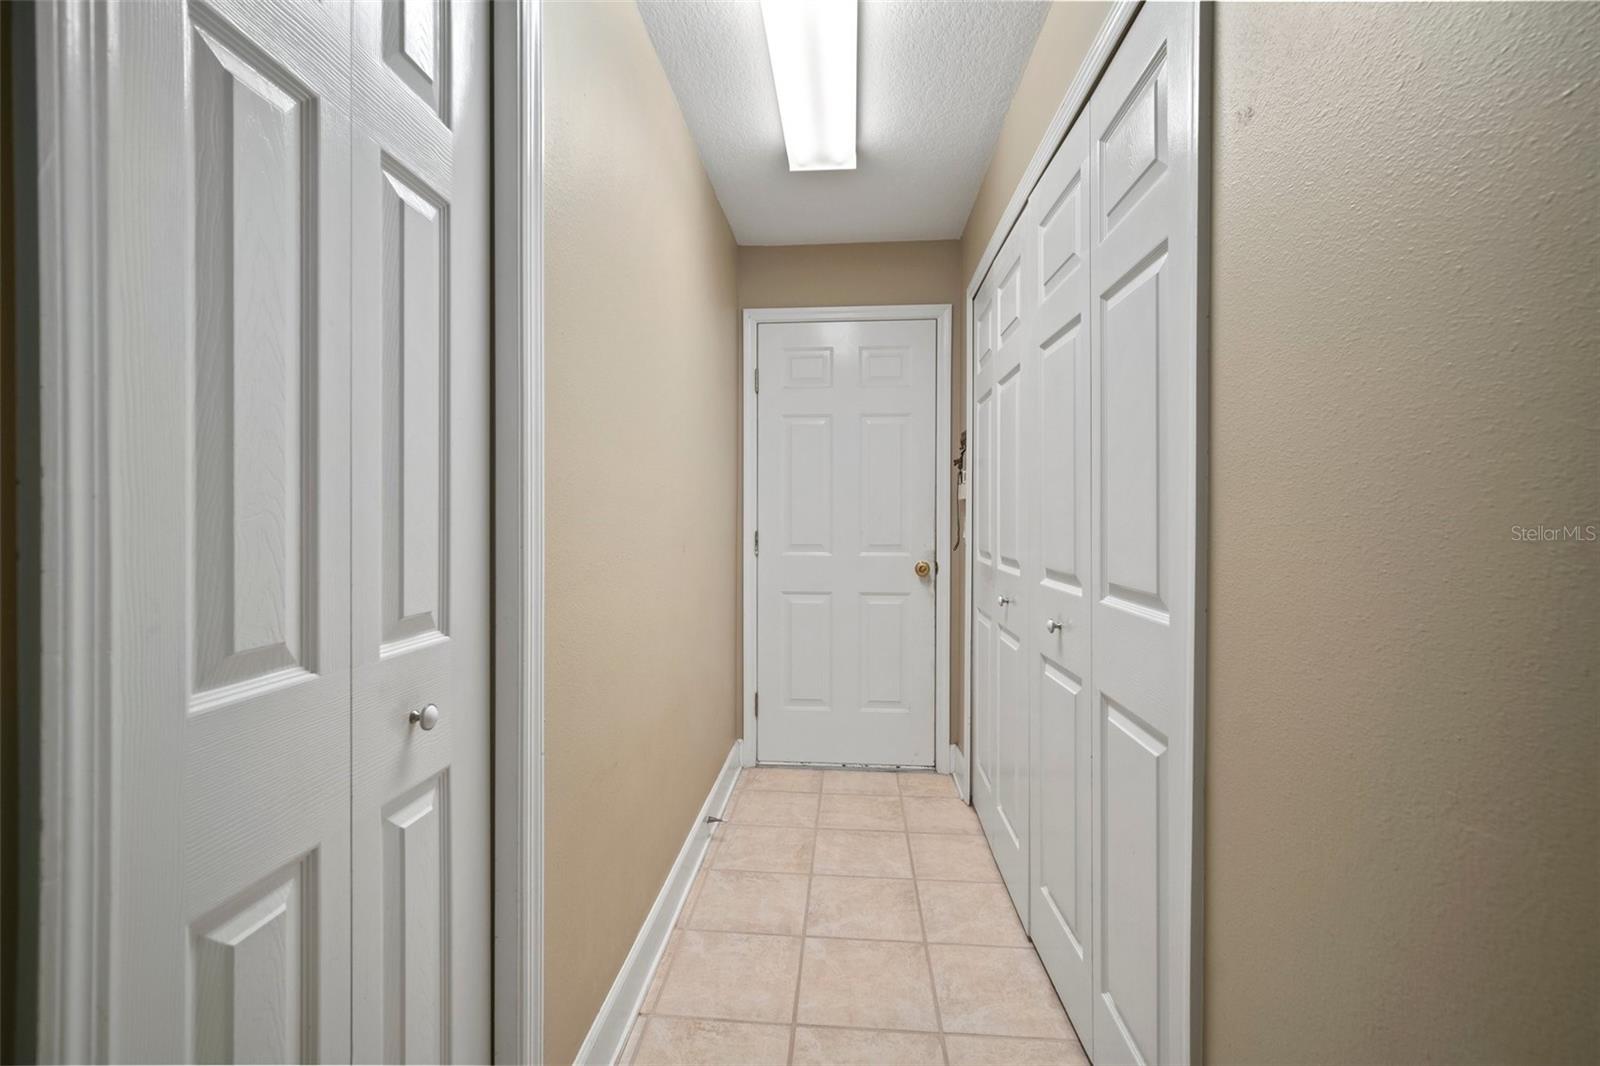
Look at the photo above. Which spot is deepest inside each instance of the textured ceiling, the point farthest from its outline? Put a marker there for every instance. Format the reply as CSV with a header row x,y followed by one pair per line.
x,y
934,84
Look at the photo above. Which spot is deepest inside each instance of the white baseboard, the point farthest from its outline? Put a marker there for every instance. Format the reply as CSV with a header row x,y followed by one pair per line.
x,y
958,770
604,1043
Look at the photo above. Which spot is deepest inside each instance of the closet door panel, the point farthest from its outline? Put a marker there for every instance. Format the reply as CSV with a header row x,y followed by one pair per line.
x,y
1143,196
420,448
1009,509
1057,576
226,442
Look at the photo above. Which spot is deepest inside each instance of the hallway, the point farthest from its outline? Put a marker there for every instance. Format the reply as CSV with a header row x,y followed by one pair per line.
x,y
849,916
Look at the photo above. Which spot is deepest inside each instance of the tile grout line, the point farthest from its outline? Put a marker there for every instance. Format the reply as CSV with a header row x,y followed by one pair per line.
x,y
814,832
927,956
805,922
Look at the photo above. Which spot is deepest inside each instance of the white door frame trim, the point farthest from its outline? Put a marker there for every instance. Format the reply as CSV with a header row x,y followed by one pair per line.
x,y
76,729
753,317
517,73
1073,102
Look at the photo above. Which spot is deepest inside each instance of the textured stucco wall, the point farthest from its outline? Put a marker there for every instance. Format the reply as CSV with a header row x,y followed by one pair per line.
x,y
642,380
1402,858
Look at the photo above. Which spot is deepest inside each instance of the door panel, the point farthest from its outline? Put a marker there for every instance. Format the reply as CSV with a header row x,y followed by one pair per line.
x,y
1144,470
420,446
227,561
1001,788
1057,440
845,511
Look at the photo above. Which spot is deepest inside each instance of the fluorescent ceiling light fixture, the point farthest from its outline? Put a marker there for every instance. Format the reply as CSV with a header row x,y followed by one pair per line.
x,y
812,44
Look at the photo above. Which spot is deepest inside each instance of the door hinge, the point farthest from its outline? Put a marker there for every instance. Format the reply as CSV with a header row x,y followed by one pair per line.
x,y
758,542
758,379
758,705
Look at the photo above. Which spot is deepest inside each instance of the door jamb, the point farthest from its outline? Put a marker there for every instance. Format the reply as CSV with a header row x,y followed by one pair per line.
x,y
74,706
753,318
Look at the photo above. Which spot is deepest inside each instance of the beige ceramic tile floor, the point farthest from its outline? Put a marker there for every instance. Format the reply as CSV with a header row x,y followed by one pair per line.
x,y
849,917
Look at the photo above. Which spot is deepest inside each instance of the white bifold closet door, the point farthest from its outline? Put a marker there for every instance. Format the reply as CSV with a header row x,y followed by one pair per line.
x,y
1086,532
1002,531
228,548
1144,199
1057,426
295,359
420,446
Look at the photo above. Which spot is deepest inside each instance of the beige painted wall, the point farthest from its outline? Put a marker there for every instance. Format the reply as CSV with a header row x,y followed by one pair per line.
x,y
642,381
906,272
1402,860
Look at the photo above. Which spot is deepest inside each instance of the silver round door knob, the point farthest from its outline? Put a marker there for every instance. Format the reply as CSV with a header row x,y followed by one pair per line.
x,y
1002,600
1051,625
427,718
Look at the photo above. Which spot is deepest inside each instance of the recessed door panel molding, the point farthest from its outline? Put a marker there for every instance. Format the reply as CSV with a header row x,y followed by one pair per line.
x,y
846,505
806,367
1009,519
1133,145
885,647
1131,431
886,467
886,366
983,327
1128,974
807,637
1063,554
808,516
984,773
254,452
416,925
1088,465
253,976
983,479
416,405
1011,739
416,47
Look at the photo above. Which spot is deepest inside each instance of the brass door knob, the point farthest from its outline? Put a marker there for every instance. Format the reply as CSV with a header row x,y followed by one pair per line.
x,y
922,568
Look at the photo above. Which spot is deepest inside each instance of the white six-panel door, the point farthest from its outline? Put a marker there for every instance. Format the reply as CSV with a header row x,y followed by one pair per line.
x,y
846,505
420,444
238,307
1086,531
